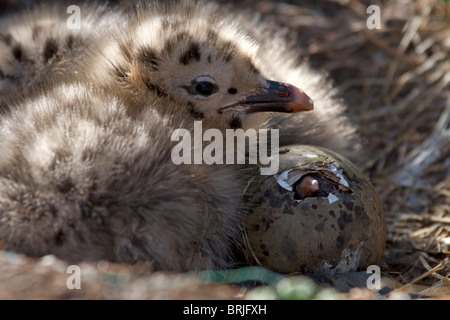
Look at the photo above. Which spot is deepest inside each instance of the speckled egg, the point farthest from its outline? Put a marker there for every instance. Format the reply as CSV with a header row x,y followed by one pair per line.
x,y
317,214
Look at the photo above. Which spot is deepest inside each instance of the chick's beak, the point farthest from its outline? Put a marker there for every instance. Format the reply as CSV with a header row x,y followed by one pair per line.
x,y
277,97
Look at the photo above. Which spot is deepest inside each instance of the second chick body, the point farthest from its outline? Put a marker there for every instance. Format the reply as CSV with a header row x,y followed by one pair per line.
x,y
81,179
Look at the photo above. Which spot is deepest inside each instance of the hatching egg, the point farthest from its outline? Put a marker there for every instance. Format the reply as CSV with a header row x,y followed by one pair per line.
x,y
317,214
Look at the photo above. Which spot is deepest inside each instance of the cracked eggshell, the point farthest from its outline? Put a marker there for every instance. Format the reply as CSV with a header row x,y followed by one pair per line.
x,y
339,228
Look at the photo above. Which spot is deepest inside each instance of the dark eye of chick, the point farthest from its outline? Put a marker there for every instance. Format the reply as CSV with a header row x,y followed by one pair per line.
x,y
206,88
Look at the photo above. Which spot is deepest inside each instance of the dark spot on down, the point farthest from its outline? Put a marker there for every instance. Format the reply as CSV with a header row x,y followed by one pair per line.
x,y
228,50
125,50
50,49
65,186
235,123
70,42
59,237
149,58
155,88
195,113
119,72
232,91
192,53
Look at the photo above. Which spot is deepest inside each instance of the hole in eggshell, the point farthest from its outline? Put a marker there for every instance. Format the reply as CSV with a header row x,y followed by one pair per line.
x,y
317,185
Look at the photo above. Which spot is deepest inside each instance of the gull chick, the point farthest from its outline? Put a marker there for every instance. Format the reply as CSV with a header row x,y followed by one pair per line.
x,y
81,179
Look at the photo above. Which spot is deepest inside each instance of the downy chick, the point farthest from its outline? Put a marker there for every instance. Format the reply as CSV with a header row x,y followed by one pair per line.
x,y
86,170
81,179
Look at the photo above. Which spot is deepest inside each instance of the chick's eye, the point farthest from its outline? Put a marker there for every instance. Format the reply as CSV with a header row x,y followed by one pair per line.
x,y
206,88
